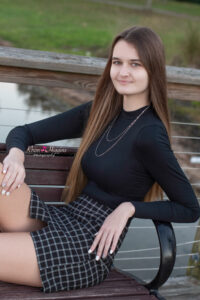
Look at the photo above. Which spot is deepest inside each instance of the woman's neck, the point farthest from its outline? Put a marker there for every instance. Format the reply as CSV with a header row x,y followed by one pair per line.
x,y
131,105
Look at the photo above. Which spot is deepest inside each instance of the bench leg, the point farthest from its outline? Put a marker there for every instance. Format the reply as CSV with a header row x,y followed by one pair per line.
x,y
18,262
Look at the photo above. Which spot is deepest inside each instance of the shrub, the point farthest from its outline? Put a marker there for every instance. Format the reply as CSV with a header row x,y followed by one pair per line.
x,y
191,45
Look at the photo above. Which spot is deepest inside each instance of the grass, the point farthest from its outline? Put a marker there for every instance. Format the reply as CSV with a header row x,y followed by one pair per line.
x,y
190,9
86,28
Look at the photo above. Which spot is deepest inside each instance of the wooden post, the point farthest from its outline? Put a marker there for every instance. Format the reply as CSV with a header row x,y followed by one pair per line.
x,y
149,4
194,260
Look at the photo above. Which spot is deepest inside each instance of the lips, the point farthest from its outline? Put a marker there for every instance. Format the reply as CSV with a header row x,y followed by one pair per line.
x,y
123,81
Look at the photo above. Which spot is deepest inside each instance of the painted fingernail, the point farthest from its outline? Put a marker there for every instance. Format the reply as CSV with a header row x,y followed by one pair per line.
x,y
18,186
7,193
97,257
111,251
4,171
3,192
89,251
3,184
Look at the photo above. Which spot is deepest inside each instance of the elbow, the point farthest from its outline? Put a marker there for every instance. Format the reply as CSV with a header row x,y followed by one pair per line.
x,y
195,214
190,215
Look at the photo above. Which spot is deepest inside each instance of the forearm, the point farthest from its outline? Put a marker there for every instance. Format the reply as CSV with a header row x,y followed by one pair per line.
x,y
20,138
67,125
167,211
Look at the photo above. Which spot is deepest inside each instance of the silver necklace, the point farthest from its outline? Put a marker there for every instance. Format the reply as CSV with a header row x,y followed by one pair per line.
x,y
119,136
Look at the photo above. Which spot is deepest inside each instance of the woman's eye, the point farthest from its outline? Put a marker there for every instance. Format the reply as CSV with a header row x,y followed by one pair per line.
x,y
136,64
116,62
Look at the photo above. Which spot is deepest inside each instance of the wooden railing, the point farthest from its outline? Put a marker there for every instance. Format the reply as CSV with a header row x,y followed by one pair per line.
x,y
80,72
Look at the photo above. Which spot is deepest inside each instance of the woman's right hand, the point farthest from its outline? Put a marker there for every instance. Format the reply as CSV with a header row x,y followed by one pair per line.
x,y
13,168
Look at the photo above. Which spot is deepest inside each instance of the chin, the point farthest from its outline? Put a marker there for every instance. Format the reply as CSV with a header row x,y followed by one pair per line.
x,y
124,92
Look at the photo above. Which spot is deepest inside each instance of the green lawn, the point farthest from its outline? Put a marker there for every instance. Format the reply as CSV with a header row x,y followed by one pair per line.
x,y
174,6
86,28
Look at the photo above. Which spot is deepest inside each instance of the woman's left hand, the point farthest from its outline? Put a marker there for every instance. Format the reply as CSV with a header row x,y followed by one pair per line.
x,y
111,229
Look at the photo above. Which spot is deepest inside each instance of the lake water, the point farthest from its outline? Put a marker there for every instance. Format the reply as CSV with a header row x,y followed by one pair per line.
x,y
18,107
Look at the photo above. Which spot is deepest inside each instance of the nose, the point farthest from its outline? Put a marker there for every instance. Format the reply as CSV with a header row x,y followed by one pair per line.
x,y
124,70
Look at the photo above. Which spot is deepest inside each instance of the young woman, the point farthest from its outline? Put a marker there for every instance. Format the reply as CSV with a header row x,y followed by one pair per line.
x,y
124,164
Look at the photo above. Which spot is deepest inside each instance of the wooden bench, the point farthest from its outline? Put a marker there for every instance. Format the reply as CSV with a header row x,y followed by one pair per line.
x,y
46,170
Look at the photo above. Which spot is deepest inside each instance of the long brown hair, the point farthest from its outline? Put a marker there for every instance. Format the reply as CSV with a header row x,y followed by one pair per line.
x,y
108,102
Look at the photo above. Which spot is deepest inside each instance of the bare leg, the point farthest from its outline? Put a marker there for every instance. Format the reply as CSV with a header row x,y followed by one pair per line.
x,y
14,210
18,262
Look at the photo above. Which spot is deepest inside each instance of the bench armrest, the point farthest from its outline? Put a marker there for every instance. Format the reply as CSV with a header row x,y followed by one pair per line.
x,y
167,241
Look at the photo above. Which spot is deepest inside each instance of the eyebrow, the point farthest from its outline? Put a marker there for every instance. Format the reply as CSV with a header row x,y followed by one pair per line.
x,y
129,59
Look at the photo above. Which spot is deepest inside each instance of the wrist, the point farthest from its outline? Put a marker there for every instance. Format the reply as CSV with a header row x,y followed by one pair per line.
x,y
16,151
129,209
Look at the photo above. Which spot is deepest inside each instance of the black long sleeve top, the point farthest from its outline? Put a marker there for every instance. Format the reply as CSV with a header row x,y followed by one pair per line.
x,y
128,170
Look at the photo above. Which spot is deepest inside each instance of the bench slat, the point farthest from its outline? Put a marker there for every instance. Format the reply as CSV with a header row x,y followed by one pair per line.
x,y
125,289
37,161
48,194
48,162
46,177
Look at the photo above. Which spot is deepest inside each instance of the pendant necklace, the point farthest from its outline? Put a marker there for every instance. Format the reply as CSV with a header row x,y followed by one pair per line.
x,y
119,136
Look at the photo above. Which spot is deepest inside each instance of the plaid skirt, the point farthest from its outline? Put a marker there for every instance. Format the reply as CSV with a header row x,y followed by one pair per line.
x,y
62,246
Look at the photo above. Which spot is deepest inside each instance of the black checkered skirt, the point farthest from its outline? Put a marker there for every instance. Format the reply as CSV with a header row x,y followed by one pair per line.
x,y
62,245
